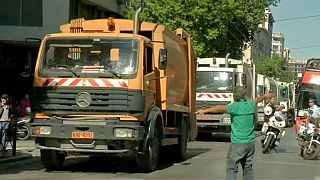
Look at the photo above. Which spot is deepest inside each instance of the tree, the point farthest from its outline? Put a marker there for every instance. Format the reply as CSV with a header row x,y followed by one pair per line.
x,y
274,67
216,27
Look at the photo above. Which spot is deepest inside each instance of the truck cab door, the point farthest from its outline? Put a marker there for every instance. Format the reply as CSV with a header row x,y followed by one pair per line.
x,y
150,79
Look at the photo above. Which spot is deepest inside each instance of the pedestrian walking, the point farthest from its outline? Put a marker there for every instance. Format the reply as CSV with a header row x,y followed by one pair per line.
x,y
243,113
25,106
5,117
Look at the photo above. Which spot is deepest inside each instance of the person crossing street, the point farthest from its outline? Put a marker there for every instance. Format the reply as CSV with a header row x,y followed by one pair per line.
x,y
242,147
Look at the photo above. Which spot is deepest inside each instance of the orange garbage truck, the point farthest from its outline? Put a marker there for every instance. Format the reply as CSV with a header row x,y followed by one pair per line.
x,y
114,86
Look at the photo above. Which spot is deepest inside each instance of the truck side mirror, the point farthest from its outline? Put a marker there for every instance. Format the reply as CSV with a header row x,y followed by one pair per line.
x,y
163,59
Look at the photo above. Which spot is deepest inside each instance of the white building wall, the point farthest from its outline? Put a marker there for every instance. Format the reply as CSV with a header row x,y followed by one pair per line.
x,y
278,43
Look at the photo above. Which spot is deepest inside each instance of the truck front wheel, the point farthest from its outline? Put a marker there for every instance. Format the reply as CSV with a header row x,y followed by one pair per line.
x,y
52,160
148,160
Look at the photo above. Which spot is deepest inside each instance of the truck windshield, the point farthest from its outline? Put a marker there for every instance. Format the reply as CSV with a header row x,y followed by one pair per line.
x,y
208,81
305,96
93,57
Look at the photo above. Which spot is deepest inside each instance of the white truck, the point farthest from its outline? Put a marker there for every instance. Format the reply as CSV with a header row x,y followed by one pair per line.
x,y
284,93
216,79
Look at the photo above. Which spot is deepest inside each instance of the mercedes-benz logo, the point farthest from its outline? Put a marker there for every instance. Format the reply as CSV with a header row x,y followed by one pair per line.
x,y
83,99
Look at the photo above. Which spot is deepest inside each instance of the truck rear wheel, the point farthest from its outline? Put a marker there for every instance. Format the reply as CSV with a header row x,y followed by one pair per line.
x,y
180,149
52,160
148,160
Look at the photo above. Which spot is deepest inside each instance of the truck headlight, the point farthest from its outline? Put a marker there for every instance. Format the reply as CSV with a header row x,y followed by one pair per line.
x,y
123,132
42,130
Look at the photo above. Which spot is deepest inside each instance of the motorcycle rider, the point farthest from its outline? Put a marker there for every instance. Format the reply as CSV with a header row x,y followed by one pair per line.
x,y
314,111
276,109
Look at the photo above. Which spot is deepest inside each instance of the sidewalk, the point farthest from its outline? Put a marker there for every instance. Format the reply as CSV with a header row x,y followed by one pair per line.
x,y
24,151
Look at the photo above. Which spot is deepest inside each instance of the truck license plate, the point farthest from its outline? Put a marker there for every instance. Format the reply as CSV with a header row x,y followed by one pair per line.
x,y
226,121
82,135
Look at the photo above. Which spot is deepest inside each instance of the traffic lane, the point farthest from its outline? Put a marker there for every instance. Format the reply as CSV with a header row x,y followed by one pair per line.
x,y
206,160
112,166
285,162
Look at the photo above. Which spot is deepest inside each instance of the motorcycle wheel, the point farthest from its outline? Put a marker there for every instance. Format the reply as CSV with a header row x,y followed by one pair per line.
x,y
311,153
23,133
267,144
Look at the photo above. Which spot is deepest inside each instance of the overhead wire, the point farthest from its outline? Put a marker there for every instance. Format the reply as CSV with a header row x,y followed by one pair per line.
x,y
295,18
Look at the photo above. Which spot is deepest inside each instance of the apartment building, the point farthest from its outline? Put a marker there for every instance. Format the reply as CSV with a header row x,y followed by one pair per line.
x,y
278,43
260,46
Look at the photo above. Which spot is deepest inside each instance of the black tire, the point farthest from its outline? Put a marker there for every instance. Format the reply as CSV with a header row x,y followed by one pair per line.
x,y
52,160
268,143
180,150
23,133
311,153
148,160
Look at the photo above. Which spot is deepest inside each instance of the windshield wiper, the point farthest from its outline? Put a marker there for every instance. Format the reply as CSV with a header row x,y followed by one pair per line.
x,y
64,67
114,73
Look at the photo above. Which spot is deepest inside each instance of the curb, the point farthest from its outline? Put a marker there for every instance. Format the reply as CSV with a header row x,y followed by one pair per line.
x,y
15,158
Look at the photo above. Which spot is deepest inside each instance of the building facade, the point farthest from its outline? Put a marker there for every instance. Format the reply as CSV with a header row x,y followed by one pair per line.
x,y
261,44
24,23
297,67
278,43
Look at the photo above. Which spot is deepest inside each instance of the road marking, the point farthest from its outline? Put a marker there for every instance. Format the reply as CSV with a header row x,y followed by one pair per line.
x,y
289,163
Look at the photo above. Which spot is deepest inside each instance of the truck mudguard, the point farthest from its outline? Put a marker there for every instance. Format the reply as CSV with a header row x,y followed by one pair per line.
x,y
152,118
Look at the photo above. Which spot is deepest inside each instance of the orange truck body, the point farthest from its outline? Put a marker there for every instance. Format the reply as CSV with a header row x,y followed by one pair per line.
x,y
82,108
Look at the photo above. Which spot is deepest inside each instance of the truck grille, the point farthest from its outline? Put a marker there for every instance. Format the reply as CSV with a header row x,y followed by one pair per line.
x,y
62,101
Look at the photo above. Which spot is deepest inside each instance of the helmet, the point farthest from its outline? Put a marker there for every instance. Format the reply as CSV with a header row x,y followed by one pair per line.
x,y
267,110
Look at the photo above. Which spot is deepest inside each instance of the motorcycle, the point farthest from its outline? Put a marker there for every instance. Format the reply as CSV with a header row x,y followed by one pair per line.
x,y
274,129
309,140
23,130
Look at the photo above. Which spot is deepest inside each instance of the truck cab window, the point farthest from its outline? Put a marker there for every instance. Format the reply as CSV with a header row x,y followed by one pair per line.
x,y
148,60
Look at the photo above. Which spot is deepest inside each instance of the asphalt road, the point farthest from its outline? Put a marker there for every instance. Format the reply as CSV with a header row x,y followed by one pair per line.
x,y
206,160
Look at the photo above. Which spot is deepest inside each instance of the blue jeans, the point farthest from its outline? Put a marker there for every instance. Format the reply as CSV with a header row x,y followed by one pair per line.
x,y
243,154
4,126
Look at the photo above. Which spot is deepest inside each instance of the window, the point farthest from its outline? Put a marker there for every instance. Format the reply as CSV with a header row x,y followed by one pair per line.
x,y
21,12
148,60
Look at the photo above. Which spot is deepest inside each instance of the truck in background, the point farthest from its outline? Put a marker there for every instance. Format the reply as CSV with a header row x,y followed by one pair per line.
x,y
114,86
262,84
284,94
216,80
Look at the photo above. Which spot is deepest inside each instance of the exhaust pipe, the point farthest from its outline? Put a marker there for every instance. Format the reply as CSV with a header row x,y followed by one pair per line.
x,y
226,60
136,19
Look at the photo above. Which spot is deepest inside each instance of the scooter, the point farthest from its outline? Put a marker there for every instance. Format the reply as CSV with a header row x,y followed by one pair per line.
x,y
274,129
23,130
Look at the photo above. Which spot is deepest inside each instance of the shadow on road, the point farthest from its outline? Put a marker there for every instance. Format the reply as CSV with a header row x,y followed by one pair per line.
x,y
213,138
31,164
124,163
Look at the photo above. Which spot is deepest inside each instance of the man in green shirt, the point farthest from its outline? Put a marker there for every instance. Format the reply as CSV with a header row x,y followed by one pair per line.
x,y
242,146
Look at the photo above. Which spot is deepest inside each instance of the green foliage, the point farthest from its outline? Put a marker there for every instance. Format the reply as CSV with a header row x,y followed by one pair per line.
x,y
274,67
217,27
